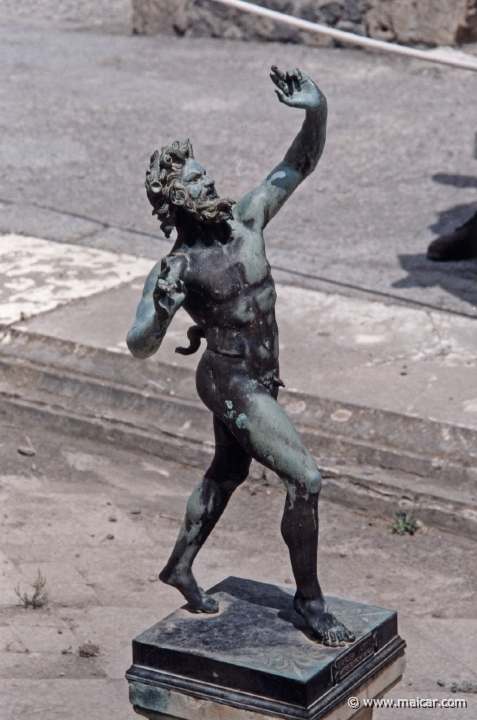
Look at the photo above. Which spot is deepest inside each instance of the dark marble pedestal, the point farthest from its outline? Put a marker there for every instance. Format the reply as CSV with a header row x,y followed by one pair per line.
x,y
256,659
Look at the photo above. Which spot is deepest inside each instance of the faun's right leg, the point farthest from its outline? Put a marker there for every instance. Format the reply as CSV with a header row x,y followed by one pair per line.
x,y
205,506
267,434
300,532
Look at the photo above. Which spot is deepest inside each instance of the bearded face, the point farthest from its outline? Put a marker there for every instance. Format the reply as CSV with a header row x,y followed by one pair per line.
x,y
174,180
196,194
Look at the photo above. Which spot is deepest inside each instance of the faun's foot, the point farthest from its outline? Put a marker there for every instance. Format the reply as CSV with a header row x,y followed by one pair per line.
x,y
197,599
323,624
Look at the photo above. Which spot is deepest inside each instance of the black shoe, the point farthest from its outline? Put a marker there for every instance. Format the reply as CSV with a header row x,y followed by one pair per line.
x,y
458,245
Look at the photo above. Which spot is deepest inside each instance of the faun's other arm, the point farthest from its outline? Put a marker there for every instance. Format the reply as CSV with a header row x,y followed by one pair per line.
x,y
296,90
162,296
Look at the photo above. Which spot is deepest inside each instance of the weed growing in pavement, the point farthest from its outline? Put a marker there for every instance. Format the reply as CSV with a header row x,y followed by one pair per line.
x,y
404,521
464,687
39,597
88,650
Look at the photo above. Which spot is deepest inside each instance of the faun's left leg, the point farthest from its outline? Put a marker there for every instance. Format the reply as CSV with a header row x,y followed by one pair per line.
x,y
228,470
267,434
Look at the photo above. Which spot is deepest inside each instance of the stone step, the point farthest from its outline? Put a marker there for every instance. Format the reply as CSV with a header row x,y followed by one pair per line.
x,y
159,413
164,411
106,429
383,492
152,393
373,492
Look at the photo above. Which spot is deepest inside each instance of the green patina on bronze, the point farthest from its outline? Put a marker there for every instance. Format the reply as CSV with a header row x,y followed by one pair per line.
x,y
218,272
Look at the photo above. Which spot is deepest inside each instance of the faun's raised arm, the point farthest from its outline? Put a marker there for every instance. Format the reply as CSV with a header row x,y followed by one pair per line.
x,y
162,296
295,90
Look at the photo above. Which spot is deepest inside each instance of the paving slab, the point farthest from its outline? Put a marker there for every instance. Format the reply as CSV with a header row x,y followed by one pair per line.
x,y
84,111
112,16
39,275
374,389
365,352
58,515
45,223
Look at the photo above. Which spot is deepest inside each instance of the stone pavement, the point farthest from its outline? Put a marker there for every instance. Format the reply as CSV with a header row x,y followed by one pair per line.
x,y
378,345
401,359
379,393
72,512
111,16
84,111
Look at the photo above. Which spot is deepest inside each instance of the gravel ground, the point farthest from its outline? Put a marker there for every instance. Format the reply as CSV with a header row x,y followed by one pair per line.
x,y
107,15
67,511
85,110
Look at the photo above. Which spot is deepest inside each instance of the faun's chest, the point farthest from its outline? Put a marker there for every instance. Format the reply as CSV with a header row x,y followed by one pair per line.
x,y
223,272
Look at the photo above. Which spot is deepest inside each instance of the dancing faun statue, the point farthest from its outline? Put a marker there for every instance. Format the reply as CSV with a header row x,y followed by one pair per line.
x,y
218,272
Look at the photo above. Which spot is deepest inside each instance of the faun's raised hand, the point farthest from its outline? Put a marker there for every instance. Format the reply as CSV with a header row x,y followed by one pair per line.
x,y
295,89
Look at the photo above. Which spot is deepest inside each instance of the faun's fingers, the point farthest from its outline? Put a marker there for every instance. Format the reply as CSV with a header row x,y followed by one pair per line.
x,y
296,79
279,72
281,84
294,85
281,96
285,88
181,287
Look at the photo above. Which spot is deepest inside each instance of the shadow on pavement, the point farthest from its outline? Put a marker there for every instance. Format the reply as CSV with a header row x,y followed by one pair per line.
x,y
459,181
449,219
457,278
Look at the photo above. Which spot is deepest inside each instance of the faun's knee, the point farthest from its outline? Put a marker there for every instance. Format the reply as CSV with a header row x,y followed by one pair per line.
x,y
228,478
313,481
239,475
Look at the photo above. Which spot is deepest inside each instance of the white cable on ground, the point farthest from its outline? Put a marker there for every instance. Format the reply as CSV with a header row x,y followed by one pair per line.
x,y
444,56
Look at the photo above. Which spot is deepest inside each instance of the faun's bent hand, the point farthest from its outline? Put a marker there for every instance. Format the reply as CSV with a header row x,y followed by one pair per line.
x,y
163,295
168,297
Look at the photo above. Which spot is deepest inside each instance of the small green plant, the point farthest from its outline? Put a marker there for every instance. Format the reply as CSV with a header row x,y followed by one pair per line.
x,y
464,687
39,597
404,521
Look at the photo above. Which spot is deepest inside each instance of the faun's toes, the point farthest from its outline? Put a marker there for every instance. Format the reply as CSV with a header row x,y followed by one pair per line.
x,y
212,607
319,635
208,609
333,638
209,604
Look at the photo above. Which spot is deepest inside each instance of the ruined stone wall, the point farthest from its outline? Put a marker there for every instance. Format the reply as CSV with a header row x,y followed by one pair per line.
x,y
411,22
109,15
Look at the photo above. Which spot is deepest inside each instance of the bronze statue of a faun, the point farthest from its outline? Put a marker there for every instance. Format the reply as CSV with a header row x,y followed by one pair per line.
x,y
218,272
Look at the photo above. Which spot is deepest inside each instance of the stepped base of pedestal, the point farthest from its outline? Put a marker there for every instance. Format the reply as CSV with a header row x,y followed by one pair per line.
x,y
255,660
184,707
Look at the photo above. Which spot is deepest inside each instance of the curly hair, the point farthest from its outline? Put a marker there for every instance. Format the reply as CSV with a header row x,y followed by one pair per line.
x,y
166,192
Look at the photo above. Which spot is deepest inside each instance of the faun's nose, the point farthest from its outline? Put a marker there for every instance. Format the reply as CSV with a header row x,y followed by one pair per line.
x,y
208,182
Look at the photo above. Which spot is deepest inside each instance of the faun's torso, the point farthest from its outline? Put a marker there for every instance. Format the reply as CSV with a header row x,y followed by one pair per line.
x,y
231,295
